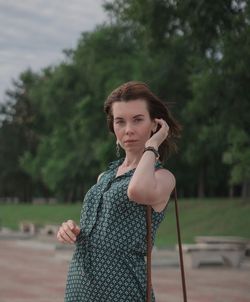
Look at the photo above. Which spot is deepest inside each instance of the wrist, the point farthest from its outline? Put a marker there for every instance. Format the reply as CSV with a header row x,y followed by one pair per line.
x,y
151,144
153,150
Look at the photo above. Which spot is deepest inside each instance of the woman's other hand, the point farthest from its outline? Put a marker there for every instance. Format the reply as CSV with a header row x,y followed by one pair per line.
x,y
68,232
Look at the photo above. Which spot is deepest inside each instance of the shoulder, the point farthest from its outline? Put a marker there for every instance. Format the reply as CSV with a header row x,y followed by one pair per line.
x,y
111,167
99,176
114,164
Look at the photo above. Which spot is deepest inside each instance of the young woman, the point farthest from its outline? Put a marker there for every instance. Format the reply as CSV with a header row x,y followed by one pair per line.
x,y
108,263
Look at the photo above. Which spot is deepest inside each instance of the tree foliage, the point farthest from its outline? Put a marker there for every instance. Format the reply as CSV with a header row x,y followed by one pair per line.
x,y
194,55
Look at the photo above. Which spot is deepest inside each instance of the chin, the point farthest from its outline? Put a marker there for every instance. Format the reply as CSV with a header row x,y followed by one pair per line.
x,y
133,148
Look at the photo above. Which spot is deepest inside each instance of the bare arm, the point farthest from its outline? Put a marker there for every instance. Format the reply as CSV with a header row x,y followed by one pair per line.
x,y
148,186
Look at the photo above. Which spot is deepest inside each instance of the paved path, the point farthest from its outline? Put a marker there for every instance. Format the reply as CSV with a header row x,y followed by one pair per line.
x,y
32,271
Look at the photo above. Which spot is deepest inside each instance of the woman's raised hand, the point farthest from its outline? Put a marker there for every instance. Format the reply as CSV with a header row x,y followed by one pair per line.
x,y
158,137
68,232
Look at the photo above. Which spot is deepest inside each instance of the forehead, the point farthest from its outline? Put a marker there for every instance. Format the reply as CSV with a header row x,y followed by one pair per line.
x,y
130,108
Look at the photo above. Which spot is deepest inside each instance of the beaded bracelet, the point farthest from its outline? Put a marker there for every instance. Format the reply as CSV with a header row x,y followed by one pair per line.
x,y
156,153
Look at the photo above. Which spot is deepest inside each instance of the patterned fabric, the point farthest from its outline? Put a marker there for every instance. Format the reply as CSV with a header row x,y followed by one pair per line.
x,y
108,264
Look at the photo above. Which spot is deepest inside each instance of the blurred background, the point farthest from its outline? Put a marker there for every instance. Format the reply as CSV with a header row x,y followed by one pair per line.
x,y
60,60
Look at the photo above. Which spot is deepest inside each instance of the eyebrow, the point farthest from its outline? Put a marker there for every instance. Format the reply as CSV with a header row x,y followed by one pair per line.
x,y
136,116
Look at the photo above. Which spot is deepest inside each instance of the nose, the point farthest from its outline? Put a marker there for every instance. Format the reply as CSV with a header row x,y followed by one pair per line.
x,y
129,128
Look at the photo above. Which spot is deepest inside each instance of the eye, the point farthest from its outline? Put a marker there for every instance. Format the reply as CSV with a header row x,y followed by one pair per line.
x,y
137,120
119,122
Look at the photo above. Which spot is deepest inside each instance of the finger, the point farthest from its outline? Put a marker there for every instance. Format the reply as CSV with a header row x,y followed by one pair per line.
x,y
68,231
157,120
77,230
162,123
164,128
71,224
59,238
73,227
165,124
64,236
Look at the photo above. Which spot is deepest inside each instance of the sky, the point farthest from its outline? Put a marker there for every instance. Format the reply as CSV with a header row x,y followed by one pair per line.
x,y
33,33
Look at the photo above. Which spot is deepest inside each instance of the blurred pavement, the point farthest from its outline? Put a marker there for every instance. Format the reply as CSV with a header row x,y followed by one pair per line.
x,y
34,270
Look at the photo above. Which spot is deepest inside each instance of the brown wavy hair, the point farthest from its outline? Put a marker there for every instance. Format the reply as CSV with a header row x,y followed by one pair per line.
x,y
157,109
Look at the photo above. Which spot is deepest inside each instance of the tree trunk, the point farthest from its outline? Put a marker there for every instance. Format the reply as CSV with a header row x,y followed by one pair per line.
x,y
245,192
201,182
231,191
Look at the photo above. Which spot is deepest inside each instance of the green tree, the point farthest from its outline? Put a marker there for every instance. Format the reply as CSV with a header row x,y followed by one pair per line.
x,y
75,144
188,52
17,135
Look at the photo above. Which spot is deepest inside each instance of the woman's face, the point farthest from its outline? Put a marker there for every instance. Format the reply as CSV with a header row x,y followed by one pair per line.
x,y
132,124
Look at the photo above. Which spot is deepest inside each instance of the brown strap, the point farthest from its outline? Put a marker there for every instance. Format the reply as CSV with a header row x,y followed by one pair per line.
x,y
180,248
149,250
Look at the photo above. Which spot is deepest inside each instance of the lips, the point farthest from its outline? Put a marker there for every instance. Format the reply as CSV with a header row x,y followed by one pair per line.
x,y
130,141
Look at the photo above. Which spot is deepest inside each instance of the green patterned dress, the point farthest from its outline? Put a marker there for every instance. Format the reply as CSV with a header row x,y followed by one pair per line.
x,y
108,264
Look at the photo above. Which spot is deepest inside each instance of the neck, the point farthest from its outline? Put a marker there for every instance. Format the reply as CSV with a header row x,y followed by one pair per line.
x,y
132,159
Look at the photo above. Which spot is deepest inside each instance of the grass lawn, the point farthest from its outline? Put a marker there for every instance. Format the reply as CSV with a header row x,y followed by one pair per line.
x,y
197,217
208,217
